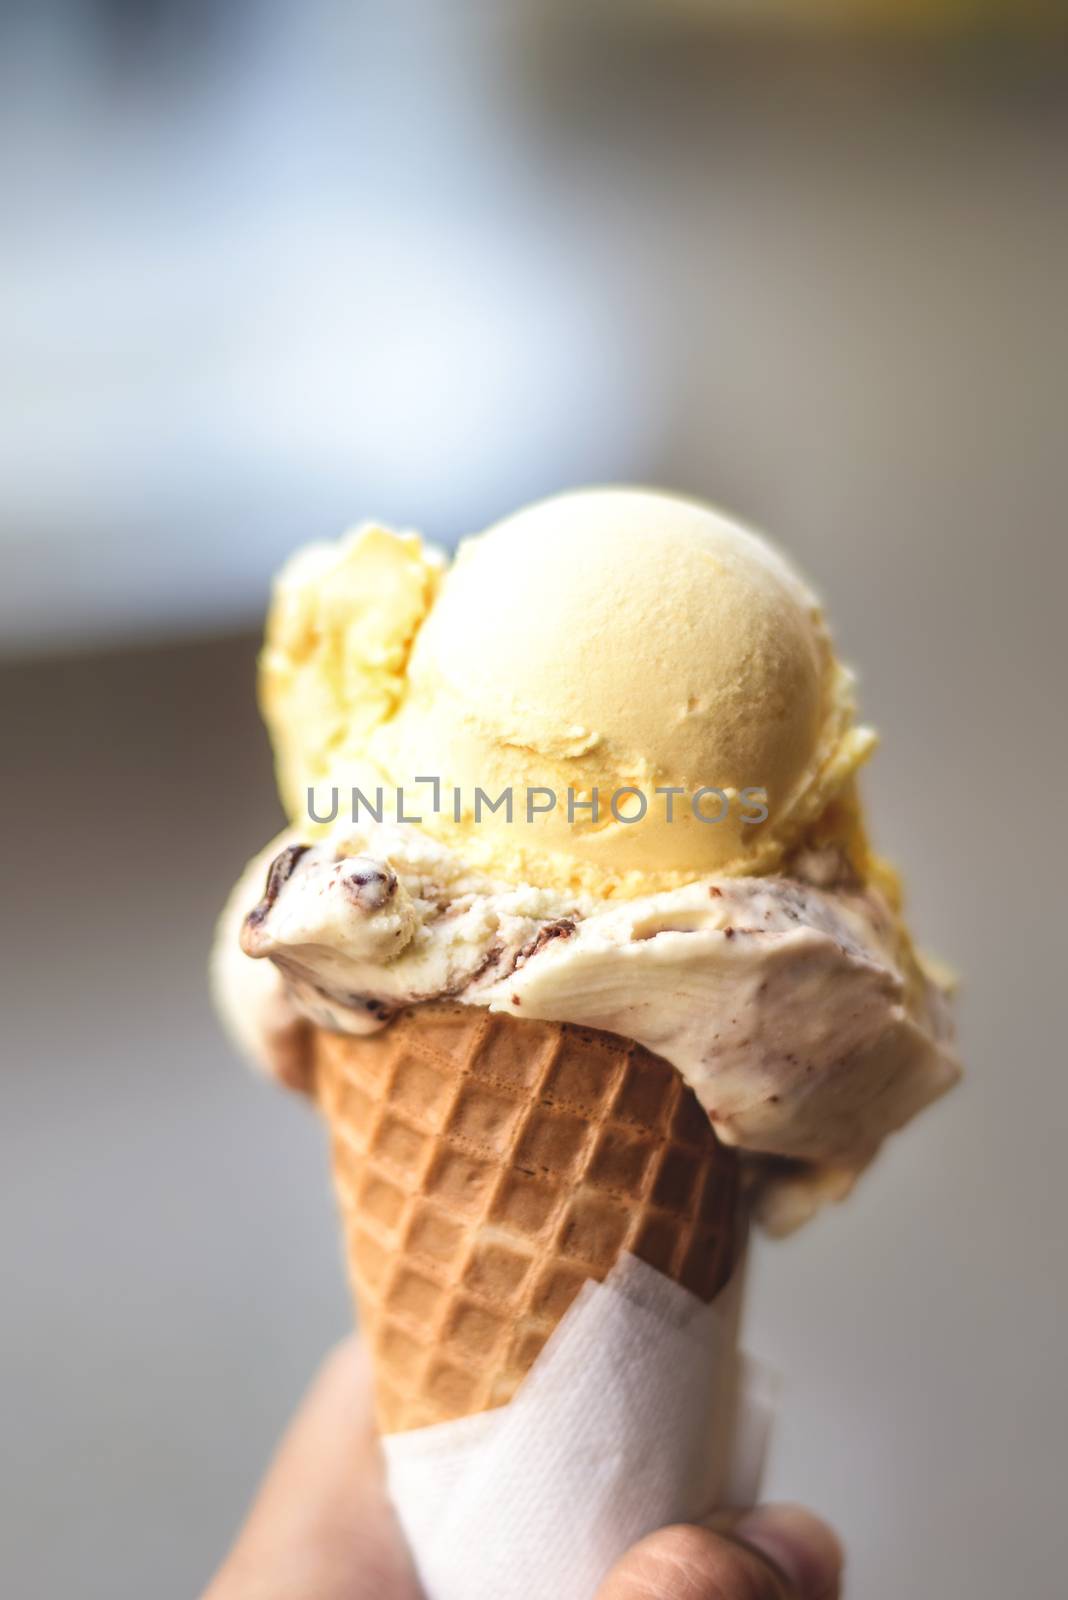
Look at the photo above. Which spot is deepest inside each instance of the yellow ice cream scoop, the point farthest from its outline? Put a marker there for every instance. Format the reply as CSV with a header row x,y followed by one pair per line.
x,y
650,687
334,662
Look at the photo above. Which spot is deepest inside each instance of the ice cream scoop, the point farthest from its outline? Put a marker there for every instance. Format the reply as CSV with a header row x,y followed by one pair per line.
x,y
657,676
334,664
793,1006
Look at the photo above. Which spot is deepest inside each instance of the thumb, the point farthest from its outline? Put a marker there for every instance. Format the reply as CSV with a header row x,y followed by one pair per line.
x,y
773,1553
322,1526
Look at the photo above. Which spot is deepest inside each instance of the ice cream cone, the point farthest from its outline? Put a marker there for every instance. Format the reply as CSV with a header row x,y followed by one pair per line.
x,y
485,1168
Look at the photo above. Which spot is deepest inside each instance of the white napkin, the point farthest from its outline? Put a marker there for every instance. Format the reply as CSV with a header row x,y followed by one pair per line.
x,y
639,1412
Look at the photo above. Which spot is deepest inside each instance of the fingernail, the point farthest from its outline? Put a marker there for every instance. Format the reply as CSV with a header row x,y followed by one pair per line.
x,y
724,1522
801,1546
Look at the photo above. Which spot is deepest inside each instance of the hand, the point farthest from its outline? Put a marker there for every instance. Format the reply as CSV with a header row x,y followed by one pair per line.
x,y
322,1527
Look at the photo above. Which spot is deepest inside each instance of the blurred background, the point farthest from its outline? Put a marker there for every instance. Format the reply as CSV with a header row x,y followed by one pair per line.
x,y
271,268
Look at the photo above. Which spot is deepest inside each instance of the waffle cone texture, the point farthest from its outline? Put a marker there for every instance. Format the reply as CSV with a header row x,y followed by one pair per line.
x,y
485,1168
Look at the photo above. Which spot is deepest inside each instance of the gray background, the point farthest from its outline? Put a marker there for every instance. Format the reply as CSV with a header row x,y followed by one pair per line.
x,y
835,285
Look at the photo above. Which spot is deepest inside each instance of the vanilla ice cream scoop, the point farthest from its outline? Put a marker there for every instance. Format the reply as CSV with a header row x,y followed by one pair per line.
x,y
659,674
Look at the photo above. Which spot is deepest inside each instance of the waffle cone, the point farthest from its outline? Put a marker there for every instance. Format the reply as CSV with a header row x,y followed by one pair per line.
x,y
487,1166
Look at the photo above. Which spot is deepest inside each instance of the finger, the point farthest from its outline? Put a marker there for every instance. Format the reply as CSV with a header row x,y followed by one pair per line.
x,y
805,1549
781,1558
322,1526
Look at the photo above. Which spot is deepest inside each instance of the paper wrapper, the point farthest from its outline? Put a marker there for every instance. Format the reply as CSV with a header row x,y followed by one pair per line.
x,y
639,1412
